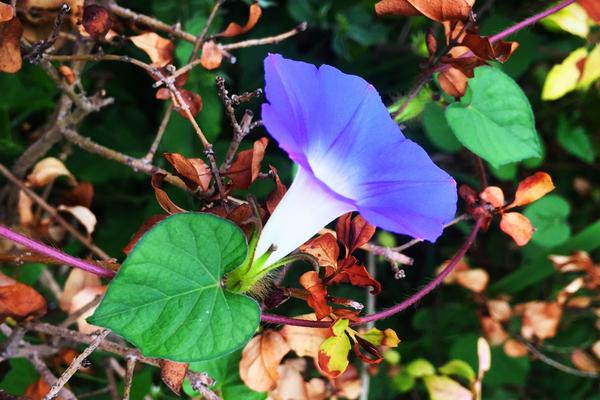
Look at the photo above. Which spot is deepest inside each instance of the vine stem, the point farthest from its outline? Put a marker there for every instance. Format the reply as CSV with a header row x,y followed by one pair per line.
x,y
54,253
281,320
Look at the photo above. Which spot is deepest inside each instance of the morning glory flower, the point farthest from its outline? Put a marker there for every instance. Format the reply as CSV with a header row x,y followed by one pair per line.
x,y
351,156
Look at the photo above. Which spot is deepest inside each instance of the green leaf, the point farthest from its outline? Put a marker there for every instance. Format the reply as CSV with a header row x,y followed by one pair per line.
x,y
420,368
575,141
458,368
548,216
226,372
414,108
168,298
494,119
403,382
437,128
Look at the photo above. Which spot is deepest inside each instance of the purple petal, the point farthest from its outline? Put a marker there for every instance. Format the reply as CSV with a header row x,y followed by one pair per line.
x,y
336,126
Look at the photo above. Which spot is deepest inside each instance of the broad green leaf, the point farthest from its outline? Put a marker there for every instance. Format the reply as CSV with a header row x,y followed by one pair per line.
x,y
564,77
575,141
548,216
403,382
168,298
444,388
438,130
494,119
19,374
225,371
572,19
420,368
458,368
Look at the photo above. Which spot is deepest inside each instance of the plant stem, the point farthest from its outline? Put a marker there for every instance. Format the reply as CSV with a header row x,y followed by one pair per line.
x,y
54,253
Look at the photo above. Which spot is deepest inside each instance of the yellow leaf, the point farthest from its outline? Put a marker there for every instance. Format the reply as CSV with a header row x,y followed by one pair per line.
x,y
591,69
564,77
572,19
333,355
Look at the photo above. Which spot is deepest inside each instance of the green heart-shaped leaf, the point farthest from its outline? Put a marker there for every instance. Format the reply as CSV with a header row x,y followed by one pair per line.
x,y
168,298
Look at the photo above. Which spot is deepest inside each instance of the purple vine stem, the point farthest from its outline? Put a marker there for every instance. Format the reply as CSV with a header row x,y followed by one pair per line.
x,y
277,319
54,253
530,21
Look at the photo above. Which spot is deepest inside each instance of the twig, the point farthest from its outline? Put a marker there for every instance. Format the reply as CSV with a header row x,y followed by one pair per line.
x,y
159,134
129,377
57,254
54,214
39,48
137,165
80,311
411,243
390,254
48,376
75,364
112,382
365,378
555,364
266,40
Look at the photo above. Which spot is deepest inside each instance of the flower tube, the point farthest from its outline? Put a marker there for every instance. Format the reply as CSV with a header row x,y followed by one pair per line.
x,y
351,157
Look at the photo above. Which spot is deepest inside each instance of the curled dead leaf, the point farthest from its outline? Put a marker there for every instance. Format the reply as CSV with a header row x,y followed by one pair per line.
x,y
246,166
317,294
499,309
10,48
24,206
453,82
305,341
540,319
192,101
532,188
47,170
354,232
234,29
68,74
437,10
212,55
162,197
83,215
96,21
324,248
77,280
82,299
159,49
193,171
260,359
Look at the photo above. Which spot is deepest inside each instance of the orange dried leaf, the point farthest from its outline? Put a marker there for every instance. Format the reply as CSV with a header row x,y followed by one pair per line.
x,y
493,330
96,21
517,226
159,49
193,171
499,309
493,195
68,74
19,301
38,390
6,12
475,280
10,48
246,166
162,197
583,361
514,348
437,10
212,55
173,374
354,232
317,294
234,29
324,248
351,271
260,359
540,319
453,82
532,188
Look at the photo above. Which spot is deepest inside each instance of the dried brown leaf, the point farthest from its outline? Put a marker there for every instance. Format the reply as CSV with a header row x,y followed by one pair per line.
x,y
437,10
305,341
68,74
10,48
173,374
584,361
260,359
19,301
234,29
514,348
246,166
276,195
324,248
77,280
83,215
96,21
162,197
47,170
532,188
540,319
80,300
493,195
453,82
6,12
212,55
517,226
159,49
146,226
193,171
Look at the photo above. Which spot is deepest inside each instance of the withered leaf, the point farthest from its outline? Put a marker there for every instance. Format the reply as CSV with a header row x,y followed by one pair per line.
x,y
172,374
19,301
212,55
96,21
47,170
493,195
192,100
6,12
305,341
162,197
260,359
80,195
517,226
540,319
437,10
354,232
38,390
68,74
77,280
159,49
193,171
317,294
246,166
10,49
351,271
532,188
324,248
453,82
276,195
234,29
